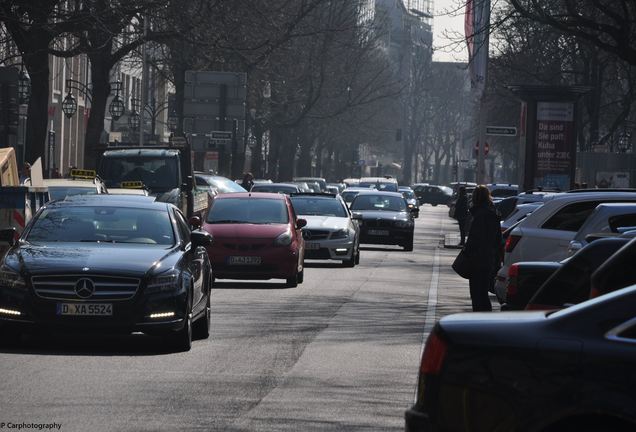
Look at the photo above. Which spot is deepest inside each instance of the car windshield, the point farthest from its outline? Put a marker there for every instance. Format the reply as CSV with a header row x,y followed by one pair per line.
x,y
224,185
408,194
102,224
59,192
248,211
348,196
504,193
378,202
156,173
310,206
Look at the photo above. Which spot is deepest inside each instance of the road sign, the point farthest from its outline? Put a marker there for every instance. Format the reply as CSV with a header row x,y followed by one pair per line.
x,y
501,130
220,138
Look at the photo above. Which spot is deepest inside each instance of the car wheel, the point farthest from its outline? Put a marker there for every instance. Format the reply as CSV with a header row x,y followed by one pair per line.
x,y
201,328
9,336
358,256
350,262
181,340
301,276
292,282
409,245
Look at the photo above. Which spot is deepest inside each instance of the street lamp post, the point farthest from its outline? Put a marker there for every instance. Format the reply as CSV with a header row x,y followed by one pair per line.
x,y
69,104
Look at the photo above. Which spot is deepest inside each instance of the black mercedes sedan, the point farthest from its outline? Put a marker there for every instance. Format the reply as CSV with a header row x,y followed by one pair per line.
x,y
108,263
570,370
384,218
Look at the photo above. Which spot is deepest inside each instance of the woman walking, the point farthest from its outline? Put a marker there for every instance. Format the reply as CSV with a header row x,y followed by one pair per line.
x,y
483,248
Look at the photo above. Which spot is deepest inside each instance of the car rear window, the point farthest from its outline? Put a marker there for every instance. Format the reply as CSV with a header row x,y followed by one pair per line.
x,y
250,211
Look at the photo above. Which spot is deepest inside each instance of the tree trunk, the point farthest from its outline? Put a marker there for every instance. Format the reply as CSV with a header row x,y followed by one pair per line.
x,y
257,152
287,155
37,115
100,70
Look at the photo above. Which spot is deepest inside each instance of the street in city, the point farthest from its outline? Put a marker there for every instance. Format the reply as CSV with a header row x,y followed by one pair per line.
x,y
339,352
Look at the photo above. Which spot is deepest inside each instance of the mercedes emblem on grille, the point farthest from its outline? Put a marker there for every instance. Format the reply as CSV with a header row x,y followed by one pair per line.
x,y
307,234
84,288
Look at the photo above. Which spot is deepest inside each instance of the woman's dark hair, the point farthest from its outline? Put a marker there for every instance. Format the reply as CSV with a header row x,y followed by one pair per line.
x,y
481,196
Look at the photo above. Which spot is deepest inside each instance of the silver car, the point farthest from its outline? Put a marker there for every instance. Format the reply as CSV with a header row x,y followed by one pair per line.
x,y
331,232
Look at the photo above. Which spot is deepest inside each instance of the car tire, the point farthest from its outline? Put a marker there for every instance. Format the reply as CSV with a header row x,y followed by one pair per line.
x,y
201,328
301,276
358,256
292,282
181,340
350,262
9,336
408,247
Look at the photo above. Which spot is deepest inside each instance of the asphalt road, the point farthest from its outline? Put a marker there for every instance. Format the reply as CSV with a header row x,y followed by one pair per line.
x,y
338,353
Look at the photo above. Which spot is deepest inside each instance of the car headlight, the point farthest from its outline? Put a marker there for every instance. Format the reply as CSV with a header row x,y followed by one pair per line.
x,y
9,278
340,234
164,282
402,224
284,239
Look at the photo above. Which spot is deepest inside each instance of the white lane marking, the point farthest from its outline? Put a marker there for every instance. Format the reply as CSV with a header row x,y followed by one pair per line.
x,y
431,300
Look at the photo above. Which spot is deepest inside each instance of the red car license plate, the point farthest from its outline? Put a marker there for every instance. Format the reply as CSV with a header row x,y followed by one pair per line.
x,y
244,260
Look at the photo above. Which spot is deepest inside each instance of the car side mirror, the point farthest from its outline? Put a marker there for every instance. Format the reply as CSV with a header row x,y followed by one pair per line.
x,y
7,236
301,223
195,222
356,216
201,238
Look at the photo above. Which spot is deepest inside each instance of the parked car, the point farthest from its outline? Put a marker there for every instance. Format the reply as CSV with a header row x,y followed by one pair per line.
x,y
567,370
519,213
385,218
615,272
257,236
433,194
607,217
351,182
507,205
469,186
571,283
284,188
411,200
546,233
302,186
525,279
108,263
330,233
333,189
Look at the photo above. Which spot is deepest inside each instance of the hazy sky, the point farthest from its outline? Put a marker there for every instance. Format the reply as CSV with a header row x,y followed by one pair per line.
x,y
448,26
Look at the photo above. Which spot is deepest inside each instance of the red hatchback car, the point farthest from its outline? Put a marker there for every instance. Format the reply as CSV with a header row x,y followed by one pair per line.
x,y
256,236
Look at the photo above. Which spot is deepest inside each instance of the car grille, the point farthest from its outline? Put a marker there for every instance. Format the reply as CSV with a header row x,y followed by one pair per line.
x,y
378,223
315,234
243,246
62,287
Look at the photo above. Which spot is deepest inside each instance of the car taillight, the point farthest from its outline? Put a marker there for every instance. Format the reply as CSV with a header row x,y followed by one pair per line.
x,y
594,292
512,242
434,353
511,287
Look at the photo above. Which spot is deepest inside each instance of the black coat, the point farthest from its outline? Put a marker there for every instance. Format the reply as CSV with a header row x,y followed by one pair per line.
x,y
484,240
461,207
